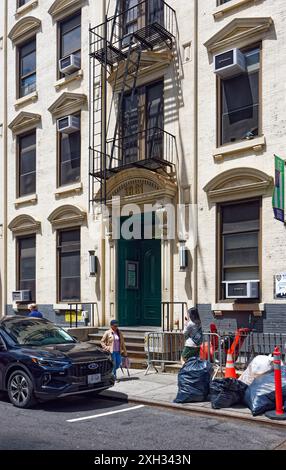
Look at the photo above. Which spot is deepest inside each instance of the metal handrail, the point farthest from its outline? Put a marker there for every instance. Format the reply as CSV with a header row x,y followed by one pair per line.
x,y
76,304
112,18
157,145
169,327
161,143
142,132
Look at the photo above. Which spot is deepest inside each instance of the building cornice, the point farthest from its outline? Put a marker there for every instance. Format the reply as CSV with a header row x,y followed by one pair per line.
x,y
24,122
68,103
61,8
24,29
238,183
239,31
24,225
67,216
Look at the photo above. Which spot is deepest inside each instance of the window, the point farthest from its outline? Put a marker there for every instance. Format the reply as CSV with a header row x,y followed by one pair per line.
x,y
69,265
145,106
240,234
27,164
69,158
27,265
240,102
138,13
27,68
70,36
131,16
221,2
22,2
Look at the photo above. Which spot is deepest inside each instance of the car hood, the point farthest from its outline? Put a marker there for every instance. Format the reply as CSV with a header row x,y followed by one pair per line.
x,y
76,352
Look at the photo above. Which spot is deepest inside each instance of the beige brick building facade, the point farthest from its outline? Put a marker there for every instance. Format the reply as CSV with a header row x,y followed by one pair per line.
x,y
243,170
215,163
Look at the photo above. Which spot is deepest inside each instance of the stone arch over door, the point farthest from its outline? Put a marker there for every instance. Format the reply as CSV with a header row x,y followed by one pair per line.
x,y
138,185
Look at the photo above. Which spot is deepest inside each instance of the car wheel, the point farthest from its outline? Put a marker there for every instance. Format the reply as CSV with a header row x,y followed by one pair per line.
x,y
20,389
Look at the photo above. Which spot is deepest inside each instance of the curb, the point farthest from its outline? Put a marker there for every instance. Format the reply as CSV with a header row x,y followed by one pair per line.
x,y
193,409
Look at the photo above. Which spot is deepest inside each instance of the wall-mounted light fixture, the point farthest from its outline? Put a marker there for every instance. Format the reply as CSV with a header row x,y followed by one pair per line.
x,y
183,255
93,262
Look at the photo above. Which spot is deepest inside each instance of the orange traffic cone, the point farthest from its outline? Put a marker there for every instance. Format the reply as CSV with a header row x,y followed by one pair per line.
x,y
230,372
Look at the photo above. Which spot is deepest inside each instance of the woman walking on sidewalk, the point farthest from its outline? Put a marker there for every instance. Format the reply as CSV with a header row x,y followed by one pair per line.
x,y
113,342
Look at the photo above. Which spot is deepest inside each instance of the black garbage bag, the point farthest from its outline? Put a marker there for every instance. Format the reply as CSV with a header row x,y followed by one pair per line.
x,y
194,381
260,395
226,392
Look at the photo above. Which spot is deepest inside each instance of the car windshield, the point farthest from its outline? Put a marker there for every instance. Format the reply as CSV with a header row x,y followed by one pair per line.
x,y
34,332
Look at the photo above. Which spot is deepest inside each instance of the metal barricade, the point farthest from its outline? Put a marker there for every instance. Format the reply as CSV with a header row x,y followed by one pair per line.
x,y
250,345
166,348
163,348
211,351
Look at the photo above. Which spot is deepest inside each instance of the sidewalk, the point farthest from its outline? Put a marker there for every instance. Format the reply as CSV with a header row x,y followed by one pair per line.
x,y
160,389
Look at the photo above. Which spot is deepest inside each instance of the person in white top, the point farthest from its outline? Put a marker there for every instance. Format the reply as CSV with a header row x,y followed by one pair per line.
x,y
193,335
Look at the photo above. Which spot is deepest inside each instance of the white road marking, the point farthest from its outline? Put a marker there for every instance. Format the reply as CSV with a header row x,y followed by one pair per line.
x,y
105,414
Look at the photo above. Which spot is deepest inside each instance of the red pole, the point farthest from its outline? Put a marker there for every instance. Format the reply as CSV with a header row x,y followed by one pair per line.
x,y
279,413
278,381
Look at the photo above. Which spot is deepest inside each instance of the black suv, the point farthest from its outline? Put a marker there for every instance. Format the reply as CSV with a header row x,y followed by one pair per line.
x,y
39,360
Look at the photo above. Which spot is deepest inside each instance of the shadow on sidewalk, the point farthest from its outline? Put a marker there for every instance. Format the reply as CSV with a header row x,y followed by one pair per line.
x,y
128,379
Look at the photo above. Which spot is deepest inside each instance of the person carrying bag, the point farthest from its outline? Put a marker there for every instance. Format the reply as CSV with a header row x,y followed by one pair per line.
x,y
113,342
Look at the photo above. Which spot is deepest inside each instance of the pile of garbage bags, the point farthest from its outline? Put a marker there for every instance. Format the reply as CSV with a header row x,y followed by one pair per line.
x,y
258,366
226,392
255,388
260,394
194,381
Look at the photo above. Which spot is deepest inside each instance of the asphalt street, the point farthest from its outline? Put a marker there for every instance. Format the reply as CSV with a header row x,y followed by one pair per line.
x,y
90,423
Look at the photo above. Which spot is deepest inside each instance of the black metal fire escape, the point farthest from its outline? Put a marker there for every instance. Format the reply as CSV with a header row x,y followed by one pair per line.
x,y
110,46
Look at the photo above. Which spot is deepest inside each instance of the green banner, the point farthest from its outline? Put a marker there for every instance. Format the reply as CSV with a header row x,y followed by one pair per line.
x,y
279,190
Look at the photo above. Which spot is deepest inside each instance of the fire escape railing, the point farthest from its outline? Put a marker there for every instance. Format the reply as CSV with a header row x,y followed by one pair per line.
x,y
153,148
149,25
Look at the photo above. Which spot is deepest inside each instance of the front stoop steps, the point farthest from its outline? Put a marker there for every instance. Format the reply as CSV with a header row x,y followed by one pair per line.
x,y
135,345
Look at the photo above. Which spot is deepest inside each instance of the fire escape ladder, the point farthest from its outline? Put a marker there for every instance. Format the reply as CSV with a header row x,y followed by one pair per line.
x,y
129,62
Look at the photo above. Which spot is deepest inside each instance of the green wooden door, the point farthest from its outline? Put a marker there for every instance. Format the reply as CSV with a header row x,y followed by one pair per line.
x,y
139,282
151,282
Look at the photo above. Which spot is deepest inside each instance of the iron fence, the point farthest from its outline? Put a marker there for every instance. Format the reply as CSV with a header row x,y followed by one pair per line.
x,y
76,310
178,309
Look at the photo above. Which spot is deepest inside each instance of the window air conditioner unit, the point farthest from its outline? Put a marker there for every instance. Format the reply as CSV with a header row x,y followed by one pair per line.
x,y
68,124
241,289
69,64
21,296
229,63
